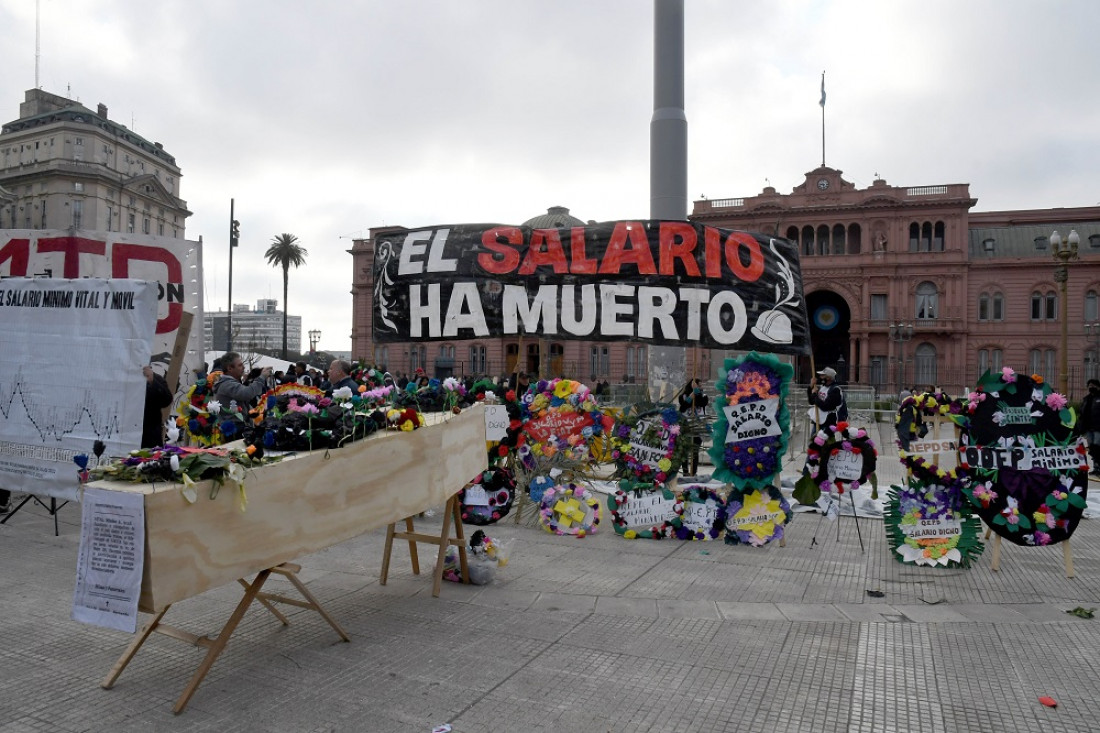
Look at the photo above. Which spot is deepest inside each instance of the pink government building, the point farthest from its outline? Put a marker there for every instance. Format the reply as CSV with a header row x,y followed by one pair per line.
x,y
905,286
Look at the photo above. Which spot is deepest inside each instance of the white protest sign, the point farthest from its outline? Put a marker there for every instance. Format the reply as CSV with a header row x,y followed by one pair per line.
x,y
931,447
496,422
933,529
647,510
475,496
649,451
748,420
100,329
109,562
845,466
700,516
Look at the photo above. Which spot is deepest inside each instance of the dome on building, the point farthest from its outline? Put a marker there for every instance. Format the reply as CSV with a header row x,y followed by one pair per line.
x,y
555,217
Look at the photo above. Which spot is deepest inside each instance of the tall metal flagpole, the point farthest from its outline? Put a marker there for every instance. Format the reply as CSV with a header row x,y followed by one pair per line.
x,y
667,165
822,103
229,315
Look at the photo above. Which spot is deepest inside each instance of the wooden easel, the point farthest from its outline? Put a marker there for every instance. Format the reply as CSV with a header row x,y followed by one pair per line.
x,y
252,592
450,514
1067,554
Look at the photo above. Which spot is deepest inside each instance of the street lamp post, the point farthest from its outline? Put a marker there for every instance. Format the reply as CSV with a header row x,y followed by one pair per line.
x,y
1063,253
899,334
314,337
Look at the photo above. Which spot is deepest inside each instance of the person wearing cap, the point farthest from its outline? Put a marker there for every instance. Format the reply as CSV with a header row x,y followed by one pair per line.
x,y
827,397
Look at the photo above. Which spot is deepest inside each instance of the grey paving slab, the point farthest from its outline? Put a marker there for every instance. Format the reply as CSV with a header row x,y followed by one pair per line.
x,y
599,634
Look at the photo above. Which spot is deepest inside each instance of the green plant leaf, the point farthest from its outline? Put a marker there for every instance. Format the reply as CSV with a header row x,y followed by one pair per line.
x,y
806,491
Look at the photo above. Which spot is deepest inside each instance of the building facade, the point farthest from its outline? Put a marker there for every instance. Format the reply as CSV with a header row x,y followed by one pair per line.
x,y
586,361
906,286
63,166
258,329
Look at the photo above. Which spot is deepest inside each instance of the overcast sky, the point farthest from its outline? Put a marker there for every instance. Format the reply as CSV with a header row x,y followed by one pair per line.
x,y
324,119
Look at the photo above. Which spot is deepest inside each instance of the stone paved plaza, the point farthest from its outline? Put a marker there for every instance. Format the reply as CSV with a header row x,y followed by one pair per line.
x,y
593,634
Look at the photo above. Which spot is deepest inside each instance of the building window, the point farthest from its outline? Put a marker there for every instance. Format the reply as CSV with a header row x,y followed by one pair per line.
x,y
988,360
1090,306
878,307
1051,306
78,213
823,240
79,141
78,186
145,225
808,240
1041,361
160,228
110,217
927,301
925,365
991,307
839,239
384,355
878,370
130,223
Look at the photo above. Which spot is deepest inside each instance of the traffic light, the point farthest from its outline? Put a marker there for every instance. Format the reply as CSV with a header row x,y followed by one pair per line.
x,y
234,233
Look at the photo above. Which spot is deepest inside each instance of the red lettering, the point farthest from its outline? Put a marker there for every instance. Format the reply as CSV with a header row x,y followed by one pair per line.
x,y
72,247
580,265
122,254
677,242
18,251
545,249
712,251
502,257
637,254
748,273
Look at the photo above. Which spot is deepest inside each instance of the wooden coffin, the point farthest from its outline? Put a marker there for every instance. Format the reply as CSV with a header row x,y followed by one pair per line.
x,y
300,505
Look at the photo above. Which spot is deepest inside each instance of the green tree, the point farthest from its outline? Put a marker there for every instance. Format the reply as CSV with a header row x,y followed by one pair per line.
x,y
284,252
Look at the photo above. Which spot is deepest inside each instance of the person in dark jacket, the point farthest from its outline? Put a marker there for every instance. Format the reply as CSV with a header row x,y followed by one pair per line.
x,y
827,396
1088,424
157,397
229,388
693,401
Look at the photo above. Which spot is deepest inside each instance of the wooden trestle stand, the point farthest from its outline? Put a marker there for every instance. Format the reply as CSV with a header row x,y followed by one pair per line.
x,y
252,592
300,505
451,515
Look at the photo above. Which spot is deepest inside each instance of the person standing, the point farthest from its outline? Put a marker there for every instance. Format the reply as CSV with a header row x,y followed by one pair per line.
x,y
827,397
229,387
157,397
1088,424
339,375
693,402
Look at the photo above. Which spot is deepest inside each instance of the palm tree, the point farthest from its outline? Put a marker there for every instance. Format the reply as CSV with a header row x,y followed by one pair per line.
x,y
284,252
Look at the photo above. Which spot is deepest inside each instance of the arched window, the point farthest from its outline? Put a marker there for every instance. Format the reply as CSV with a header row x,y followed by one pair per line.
x,y
914,236
839,241
1044,306
855,235
925,237
792,234
928,306
808,240
925,364
937,237
991,307
823,239
1041,361
557,357
511,358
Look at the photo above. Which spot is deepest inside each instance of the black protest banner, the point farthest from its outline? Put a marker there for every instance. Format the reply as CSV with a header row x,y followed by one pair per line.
x,y
660,282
